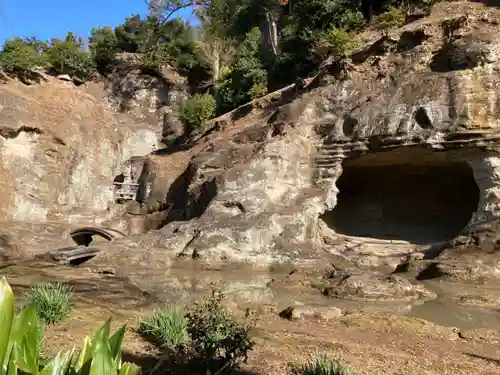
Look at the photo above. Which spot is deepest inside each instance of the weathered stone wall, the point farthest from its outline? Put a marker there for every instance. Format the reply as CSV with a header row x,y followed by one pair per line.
x,y
60,149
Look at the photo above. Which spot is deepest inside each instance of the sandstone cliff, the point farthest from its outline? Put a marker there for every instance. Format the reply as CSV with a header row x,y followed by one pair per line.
x,y
61,146
393,152
382,158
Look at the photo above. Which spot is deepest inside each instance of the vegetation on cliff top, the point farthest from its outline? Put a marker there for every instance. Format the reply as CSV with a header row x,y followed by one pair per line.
x,y
241,50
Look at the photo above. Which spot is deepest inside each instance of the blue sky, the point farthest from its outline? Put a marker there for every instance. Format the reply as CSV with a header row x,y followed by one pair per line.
x,y
54,18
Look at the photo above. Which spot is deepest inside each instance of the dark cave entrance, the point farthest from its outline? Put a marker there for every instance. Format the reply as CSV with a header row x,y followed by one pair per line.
x,y
419,200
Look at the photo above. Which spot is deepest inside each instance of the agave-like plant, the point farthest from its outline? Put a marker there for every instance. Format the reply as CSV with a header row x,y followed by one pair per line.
x,y
20,346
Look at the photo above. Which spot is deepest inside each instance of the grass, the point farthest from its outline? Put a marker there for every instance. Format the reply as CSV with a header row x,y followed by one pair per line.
x,y
320,365
52,301
166,327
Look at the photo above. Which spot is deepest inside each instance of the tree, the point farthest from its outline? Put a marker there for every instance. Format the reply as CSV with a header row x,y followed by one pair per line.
x,y
248,77
103,45
131,34
68,57
168,8
21,56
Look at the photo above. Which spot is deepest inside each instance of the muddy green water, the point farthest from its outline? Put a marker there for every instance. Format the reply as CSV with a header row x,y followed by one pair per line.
x,y
245,287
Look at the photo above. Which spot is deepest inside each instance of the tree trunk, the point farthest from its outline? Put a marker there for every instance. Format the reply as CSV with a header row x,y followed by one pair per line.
x,y
269,32
216,70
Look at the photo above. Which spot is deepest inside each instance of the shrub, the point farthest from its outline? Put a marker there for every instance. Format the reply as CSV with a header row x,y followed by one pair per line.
x,y
51,300
21,55
103,45
335,42
20,346
197,109
351,20
389,20
165,327
220,342
67,57
320,365
257,90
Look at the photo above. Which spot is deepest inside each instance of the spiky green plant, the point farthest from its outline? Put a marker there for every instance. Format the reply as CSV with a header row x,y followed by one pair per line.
x,y
165,327
20,346
52,301
320,365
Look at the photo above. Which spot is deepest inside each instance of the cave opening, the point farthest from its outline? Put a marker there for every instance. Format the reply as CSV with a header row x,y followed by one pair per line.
x,y
416,198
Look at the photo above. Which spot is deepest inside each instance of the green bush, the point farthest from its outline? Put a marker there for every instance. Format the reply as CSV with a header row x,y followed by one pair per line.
x,y
335,42
220,342
103,45
165,327
352,20
320,365
68,57
20,346
257,90
390,20
52,301
22,55
198,109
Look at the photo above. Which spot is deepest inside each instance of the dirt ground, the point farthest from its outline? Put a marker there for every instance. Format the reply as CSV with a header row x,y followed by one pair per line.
x,y
369,344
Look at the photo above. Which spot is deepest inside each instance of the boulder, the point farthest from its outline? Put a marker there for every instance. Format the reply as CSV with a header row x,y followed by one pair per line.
x,y
303,312
372,286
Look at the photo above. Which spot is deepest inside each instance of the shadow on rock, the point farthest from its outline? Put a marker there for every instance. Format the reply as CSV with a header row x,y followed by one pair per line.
x,y
487,359
172,363
490,3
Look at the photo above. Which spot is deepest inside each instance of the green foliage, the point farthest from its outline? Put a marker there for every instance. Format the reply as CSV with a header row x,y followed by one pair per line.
x,y
20,346
247,79
220,342
51,300
257,90
335,42
23,55
160,42
132,34
197,109
352,20
320,365
103,45
165,327
229,34
67,57
390,20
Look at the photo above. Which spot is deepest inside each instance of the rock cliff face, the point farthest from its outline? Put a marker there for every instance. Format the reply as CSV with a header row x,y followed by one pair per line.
x,y
382,159
394,152
60,148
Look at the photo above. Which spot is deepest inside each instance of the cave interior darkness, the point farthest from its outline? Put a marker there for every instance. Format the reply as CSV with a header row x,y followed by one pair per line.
x,y
415,199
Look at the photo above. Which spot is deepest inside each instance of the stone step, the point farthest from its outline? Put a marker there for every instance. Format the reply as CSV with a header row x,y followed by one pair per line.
x,y
325,157
325,174
69,255
326,167
332,152
326,161
329,148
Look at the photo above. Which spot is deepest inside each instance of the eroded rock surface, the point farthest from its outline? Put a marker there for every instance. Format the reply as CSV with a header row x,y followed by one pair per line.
x,y
371,286
364,162
60,149
385,156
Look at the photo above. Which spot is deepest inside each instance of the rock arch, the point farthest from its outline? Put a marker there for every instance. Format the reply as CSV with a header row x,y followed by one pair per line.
x,y
84,236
